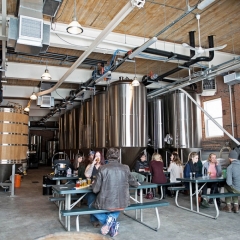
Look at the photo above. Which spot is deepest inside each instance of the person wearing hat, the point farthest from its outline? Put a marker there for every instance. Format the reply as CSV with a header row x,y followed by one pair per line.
x,y
232,182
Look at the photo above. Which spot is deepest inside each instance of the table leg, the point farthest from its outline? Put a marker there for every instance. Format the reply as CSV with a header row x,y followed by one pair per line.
x,y
190,188
67,207
196,189
136,197
141,200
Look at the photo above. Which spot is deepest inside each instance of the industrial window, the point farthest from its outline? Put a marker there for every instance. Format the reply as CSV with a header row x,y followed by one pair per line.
x,y
214,109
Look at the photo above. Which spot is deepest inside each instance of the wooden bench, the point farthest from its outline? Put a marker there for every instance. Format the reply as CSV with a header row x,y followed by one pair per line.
x,y
161,185
83,211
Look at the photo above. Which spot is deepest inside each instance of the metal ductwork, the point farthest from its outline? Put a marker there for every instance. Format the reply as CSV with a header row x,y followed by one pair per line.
x,y
28,33
45,101
51,7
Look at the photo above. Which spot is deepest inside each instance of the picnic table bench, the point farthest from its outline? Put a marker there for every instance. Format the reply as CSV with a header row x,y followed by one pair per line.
x,y
161,185
214,196
83,211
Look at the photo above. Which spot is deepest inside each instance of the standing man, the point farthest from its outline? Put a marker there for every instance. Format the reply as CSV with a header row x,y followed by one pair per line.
x,y
232,182
112,189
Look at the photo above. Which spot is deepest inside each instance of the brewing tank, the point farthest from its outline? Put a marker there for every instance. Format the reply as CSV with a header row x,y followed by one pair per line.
x,y
61,132
155,123
183,120
87,124
66,130
52,148
127,119
75,125
13,140
99,120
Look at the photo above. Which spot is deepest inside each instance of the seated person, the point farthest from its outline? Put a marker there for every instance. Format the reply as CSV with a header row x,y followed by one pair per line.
x,y
175,169
112,188
213,168
141,165
192,166
156,169
232,182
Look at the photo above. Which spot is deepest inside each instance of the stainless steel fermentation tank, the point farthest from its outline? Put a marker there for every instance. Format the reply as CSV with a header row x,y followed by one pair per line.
x,y
177,115
100,113
127,119
113,118
155,123
183,120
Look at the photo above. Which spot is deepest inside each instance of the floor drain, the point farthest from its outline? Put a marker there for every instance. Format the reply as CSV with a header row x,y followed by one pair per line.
x,y
35,182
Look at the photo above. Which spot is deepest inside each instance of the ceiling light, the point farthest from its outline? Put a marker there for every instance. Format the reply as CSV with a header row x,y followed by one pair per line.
x,y
27,109
74,27
135,82
46,75
33,96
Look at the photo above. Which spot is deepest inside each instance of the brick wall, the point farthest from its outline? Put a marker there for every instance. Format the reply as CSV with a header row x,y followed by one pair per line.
x,y
223,92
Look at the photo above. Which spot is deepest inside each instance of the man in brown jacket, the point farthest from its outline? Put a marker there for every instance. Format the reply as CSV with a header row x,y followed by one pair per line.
x,y
112,188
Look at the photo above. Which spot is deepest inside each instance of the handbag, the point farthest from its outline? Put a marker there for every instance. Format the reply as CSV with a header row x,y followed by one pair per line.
x,y
149,195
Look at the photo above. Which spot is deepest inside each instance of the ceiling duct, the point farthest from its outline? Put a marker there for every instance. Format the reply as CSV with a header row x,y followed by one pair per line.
x,y
45,101
28,33
232,78
50,7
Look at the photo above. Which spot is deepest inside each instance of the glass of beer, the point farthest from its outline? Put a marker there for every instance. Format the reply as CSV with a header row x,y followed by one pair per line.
x,y
77,183
89,181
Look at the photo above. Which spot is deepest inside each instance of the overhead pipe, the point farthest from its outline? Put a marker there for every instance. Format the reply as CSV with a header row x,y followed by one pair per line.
x,y
167,54
116,20
57,56
209,116
192,43
224,67
231,110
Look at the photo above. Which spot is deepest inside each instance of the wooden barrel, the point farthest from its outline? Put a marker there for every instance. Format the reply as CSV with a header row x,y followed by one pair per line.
x,y
13,138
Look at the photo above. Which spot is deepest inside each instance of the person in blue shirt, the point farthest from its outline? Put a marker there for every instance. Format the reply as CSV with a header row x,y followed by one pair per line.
x,y
192,166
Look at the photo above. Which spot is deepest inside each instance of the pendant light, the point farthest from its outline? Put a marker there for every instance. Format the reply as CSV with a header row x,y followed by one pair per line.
x,y
46,75
135,82
33,96
74,27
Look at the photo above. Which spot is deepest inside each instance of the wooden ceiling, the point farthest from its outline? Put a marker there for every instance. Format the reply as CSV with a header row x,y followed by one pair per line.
x,y
220,19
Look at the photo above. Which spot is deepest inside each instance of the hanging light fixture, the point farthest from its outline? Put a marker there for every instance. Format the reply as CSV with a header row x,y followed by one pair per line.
x,y
46,75
27,108
33,96
135,82
74,27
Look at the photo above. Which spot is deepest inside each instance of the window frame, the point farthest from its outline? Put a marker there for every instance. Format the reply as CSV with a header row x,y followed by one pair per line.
x,y
207,120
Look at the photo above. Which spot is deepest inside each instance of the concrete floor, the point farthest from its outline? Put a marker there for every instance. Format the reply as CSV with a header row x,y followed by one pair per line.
x,y
29,215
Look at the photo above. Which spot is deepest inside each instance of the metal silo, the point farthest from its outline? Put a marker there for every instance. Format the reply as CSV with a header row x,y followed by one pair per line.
x,y
127,119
